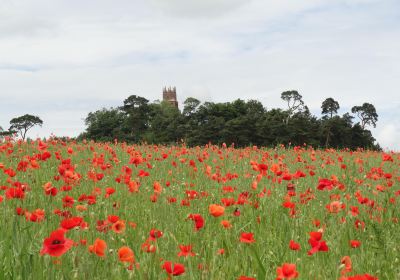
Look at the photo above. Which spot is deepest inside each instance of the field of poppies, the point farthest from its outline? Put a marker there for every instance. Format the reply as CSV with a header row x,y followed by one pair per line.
x,y
115,211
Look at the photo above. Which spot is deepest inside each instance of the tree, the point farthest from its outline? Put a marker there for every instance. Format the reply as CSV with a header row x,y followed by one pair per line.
x,y
330,106
366,113
105,125
190,106
294,101
164,124
137,110
23,123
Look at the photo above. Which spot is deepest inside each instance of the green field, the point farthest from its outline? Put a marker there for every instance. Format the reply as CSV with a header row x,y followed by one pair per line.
x,y
237,208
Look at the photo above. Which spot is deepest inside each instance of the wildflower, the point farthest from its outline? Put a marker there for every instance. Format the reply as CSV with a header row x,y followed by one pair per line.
x,y
247,237
186,250
316,243
294,246
216,210
99,246
286,272
125,254
56,244
173,269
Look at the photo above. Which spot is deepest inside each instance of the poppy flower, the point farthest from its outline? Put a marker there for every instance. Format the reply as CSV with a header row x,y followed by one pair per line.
x,y
113,218
325,184
355,243
216,210
198,221
109,191
247,237
71,222
56,244
335,207
99,246
148,246
221,251
246,278
287,271
173,269
360,277
317,244
294,246
347,265
155,233
125,254
118,227
226,224
186,250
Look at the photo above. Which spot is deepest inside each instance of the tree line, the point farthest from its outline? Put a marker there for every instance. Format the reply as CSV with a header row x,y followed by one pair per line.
x,y
240,122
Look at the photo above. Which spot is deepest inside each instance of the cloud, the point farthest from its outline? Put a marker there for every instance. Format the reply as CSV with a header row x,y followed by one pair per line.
x,y
389,137
204,8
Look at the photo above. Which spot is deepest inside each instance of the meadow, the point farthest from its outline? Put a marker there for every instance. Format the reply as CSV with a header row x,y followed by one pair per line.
x,y
86,210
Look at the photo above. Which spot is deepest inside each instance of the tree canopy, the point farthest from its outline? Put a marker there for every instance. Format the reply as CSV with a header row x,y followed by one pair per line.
x,y
366,113
240,122
24,123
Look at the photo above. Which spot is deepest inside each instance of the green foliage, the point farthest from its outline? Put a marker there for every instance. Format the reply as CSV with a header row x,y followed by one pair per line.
x,y
240,122
330,106
366,113
105,125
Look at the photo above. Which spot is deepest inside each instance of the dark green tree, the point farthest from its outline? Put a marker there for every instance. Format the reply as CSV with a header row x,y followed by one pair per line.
x,y
105,125
23,123
366,113
330,107
164,124
136,109
190,106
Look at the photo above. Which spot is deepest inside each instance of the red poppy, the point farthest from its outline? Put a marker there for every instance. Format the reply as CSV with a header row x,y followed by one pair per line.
x,y
173,269
347,265
325,184
360,277
71,222
148,246
186,250
99,246
118,227
317,245
125,254
56,245
287,271
226,224
294,246
355,243
155,233
216,210
198,221
247,237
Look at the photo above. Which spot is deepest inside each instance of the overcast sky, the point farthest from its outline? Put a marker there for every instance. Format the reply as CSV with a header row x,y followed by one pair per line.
x,y
62,59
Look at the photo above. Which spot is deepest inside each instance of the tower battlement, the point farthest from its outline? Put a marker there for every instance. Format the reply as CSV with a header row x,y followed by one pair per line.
x,y
169,95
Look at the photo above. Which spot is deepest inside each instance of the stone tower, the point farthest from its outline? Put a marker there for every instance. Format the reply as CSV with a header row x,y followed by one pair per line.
x,y
169,95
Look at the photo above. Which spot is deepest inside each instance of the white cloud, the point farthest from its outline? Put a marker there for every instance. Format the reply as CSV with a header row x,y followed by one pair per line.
x,y
389,137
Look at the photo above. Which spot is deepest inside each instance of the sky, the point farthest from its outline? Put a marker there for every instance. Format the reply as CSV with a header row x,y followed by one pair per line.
x,y
61,60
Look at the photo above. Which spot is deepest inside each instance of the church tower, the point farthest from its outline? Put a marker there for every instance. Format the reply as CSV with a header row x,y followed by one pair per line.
x,y
169,95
